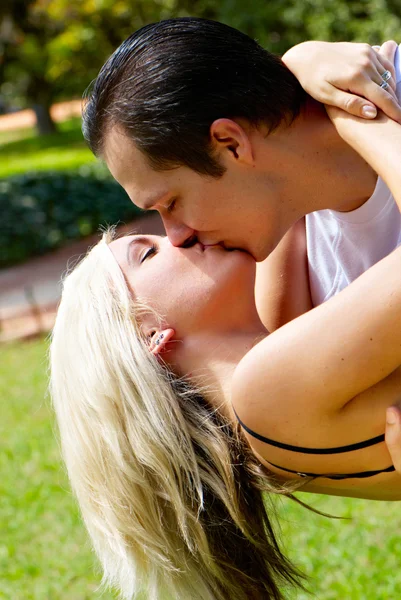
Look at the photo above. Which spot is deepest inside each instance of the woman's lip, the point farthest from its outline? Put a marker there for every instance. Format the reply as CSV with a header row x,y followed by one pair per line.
x,y
217,245
210,246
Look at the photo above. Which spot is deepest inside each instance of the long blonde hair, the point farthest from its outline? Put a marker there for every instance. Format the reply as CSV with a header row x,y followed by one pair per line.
x,y
170,492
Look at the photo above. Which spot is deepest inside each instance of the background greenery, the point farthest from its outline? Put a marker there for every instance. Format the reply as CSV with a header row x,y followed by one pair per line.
x,y
44,552
53,48
42,209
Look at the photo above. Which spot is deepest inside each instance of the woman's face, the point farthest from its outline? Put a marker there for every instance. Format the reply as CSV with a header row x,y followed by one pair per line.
x,y
195,288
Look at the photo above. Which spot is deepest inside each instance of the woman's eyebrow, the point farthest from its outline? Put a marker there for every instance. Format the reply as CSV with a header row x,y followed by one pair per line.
x,y
139,239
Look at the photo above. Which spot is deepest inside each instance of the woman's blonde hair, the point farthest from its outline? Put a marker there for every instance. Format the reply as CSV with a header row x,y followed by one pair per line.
x,y
170,493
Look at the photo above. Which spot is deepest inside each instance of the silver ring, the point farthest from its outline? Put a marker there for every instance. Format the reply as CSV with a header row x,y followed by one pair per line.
x,y
386,76
384,85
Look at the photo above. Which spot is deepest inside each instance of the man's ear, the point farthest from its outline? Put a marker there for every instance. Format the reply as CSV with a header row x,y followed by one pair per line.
x,y
160,339
228,135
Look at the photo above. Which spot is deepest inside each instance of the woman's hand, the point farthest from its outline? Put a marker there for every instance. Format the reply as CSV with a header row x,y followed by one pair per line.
x,y
347,75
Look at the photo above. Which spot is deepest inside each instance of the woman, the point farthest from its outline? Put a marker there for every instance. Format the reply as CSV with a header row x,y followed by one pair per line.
x,y
156,353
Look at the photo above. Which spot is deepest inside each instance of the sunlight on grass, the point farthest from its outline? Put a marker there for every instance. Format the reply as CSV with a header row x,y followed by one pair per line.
x,y
43,160
356,557
44,551
15,135
65,149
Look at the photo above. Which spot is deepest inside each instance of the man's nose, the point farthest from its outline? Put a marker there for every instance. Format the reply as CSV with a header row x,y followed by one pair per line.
x,y
178,233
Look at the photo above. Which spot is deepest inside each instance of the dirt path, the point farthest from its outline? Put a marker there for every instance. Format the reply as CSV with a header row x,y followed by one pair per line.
x,y
29,292
26,118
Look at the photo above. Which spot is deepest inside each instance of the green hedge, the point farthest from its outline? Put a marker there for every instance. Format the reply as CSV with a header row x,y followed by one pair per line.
x,y
43,210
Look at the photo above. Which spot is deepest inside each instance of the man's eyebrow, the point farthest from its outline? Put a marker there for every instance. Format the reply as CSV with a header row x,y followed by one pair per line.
x,y
153,200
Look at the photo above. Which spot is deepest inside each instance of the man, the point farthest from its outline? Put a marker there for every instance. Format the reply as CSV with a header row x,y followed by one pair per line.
x,y
197,121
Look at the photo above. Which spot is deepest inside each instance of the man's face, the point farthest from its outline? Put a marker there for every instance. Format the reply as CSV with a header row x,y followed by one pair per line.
x,y
232,210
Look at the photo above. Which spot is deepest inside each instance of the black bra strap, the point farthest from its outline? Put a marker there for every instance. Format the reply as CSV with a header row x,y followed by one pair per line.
x,y
338,450
360,475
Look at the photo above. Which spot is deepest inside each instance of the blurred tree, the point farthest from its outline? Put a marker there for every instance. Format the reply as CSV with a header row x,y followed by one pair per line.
x,y
24,34
52,49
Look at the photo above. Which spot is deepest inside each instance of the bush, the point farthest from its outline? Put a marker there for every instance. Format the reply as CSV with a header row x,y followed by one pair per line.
x,y
41,211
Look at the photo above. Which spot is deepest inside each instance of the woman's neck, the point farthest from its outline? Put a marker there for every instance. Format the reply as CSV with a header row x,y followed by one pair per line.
x,y
210,359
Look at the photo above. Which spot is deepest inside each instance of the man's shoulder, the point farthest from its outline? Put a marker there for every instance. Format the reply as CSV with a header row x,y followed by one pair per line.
x,y
282,282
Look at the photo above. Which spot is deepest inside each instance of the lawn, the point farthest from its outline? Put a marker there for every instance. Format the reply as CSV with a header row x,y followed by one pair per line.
x,y
24,151
44,552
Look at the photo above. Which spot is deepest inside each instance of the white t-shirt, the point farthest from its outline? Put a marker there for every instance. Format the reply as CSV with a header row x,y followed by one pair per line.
x,y
341,246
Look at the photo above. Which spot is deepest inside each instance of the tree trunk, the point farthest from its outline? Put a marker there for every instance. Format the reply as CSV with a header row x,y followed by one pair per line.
x,y
44,121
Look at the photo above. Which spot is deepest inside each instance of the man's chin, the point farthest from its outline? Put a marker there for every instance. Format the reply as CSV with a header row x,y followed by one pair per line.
x,y
228,248
244,251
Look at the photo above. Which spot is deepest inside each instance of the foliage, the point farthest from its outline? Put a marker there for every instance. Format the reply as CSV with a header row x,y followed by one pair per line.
x,y
280,24
59,45
41,211
51,49
44,552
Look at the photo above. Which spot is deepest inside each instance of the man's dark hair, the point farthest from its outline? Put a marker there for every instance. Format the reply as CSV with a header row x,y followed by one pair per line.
x,y
168,82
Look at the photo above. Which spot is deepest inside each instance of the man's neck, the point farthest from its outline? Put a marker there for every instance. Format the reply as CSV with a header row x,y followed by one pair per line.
x,y
325,172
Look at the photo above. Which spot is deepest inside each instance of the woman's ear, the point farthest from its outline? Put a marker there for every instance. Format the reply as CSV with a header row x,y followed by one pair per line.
x,y
160,339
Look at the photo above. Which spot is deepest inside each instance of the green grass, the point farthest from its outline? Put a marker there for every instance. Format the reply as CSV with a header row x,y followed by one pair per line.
x,y
23,151
356,558
44,552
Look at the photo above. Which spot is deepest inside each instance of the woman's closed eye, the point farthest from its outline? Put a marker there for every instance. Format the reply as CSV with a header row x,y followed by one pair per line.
x,y
148,253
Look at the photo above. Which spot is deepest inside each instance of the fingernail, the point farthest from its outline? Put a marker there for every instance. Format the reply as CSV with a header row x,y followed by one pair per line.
x,y
369,111
391,417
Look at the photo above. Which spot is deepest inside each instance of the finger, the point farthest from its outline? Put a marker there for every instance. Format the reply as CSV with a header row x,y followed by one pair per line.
x,y
375,76
379,68
386,55
385,100
388,50
393,435
383,66
352,104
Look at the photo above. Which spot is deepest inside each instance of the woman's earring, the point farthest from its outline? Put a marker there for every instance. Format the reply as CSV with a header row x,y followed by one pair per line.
x,y
160,337
158,342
